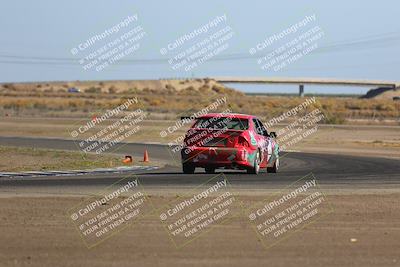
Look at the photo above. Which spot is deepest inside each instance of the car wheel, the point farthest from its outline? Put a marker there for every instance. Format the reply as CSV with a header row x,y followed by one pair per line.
x,y
256,166
274,169
209,169
188,168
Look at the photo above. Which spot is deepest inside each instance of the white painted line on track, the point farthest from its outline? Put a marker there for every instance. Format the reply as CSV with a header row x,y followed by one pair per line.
x,y
121,169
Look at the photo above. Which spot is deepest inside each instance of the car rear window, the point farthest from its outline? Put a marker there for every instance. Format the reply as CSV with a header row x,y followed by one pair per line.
x,y
222,123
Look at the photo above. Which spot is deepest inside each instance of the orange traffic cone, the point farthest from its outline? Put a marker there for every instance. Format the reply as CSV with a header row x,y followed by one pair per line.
x,y
146,156
127,160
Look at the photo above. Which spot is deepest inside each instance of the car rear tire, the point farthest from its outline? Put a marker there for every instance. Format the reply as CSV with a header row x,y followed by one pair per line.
x,y
274,169
209,169
256,165
188,168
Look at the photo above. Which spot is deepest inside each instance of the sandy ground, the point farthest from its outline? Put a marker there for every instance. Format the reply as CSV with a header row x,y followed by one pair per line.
x,y
36,232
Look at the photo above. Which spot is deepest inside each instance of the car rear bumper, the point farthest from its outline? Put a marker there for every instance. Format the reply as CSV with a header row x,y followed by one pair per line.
x,y
216,157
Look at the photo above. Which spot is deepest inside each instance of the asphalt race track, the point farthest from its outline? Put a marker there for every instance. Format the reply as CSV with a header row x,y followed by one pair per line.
x,y
335,171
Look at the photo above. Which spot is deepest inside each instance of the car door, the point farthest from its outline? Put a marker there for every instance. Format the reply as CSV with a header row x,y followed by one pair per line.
x,y
262,141
269,143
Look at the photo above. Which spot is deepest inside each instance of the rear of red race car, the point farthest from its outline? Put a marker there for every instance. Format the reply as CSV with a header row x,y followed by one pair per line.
x,y
223,141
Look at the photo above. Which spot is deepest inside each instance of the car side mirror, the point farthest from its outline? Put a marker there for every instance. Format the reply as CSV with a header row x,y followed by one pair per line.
x,y
272,134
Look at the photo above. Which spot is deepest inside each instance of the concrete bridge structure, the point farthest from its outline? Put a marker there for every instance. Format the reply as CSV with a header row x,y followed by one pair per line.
x,y
301,82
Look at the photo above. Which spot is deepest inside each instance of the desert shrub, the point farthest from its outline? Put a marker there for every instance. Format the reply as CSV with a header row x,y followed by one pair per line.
x,y
170,87
384,107
190,88
218,89
72,104
155,102
112,89
40,106
9,86
204,88
93,90
188,91
88,102
133,90
333,119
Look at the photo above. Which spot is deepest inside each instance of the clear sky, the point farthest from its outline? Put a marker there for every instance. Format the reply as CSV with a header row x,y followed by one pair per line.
x,y
361,38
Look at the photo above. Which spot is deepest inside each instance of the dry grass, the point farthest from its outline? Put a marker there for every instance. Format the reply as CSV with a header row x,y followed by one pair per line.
x,y
167,100
34,159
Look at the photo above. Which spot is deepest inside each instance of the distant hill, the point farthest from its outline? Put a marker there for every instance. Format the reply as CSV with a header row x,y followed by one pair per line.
x,y
122,86
382,93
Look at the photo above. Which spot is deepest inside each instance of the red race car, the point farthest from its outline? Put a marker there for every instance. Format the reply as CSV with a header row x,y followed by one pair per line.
x,y
229,141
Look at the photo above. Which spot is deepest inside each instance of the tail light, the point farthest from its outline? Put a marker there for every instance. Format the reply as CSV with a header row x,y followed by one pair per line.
x,y
242,142
237,141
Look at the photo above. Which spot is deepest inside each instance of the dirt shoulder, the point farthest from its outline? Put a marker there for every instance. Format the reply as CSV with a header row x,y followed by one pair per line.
x,y
362,230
